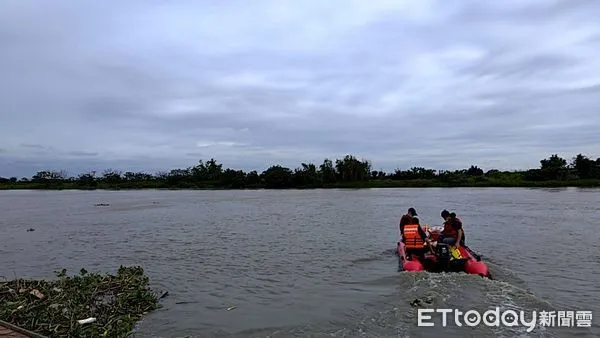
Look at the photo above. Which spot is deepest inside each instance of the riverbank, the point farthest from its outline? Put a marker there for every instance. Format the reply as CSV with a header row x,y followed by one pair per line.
x,y
84,305
211,185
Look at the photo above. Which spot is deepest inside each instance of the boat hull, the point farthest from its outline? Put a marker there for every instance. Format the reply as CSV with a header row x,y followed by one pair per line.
x,y
458,260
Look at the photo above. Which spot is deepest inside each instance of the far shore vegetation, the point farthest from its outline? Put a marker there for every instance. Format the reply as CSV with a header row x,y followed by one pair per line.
x,y
348,172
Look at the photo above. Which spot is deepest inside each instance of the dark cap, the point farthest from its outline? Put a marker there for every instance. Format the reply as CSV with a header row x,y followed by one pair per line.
x,y
445,213
412,211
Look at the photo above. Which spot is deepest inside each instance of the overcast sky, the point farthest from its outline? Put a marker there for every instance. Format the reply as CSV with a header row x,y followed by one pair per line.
x,y
152,85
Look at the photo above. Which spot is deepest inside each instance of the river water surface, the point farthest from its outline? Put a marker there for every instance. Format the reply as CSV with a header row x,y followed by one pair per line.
x,y
316,263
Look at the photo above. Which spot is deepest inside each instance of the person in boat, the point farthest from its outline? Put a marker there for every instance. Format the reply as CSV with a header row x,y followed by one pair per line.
x,y
407,218
415,239
453,233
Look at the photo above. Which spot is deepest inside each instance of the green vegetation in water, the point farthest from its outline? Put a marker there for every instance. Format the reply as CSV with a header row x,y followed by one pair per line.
x,y
53,308
348,172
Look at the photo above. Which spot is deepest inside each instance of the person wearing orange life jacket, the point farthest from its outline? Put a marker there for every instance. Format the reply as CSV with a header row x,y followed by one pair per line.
x,y
407,219
414,238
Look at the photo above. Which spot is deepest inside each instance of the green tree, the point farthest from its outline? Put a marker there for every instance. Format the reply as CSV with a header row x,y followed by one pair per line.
x,y
350,169
253,179
209,171
234,179
378,175
474,171
584,167
277,177
49,176
307,176
112,176
554,168
327,171
87,179
178,177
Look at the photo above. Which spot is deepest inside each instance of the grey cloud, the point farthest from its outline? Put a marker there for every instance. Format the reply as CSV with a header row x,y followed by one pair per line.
x,y
195,154
112,108
34,146
524,11
585,90
82,153
444,85
528,66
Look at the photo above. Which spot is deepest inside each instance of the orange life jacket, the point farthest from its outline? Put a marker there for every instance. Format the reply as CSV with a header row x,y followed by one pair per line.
x,y
412,239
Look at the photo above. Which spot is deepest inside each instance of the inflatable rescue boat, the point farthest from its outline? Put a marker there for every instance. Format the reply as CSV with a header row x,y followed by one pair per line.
x,y
440,257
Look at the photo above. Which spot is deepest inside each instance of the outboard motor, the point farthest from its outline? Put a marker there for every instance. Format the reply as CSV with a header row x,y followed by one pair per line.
x,y
443,255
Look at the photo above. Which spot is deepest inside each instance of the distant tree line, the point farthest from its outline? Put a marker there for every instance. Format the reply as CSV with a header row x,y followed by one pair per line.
x,y
346,172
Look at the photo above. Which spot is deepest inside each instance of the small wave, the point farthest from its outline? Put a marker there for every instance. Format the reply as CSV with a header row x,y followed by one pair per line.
x,y
366,260
373,258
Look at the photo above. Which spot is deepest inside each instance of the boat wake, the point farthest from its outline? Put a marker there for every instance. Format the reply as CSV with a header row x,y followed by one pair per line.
x,y
393,309
396,313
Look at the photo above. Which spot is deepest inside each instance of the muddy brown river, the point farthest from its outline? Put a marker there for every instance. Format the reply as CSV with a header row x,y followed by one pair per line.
x,y
316,263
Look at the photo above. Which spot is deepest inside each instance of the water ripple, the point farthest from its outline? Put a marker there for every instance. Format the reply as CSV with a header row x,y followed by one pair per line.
x,y
318,263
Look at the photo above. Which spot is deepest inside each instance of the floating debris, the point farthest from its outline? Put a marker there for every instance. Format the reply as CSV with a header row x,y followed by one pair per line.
x,y
419,302
30,229
231,308
102,205
416,302
109,305
86,321
37,293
